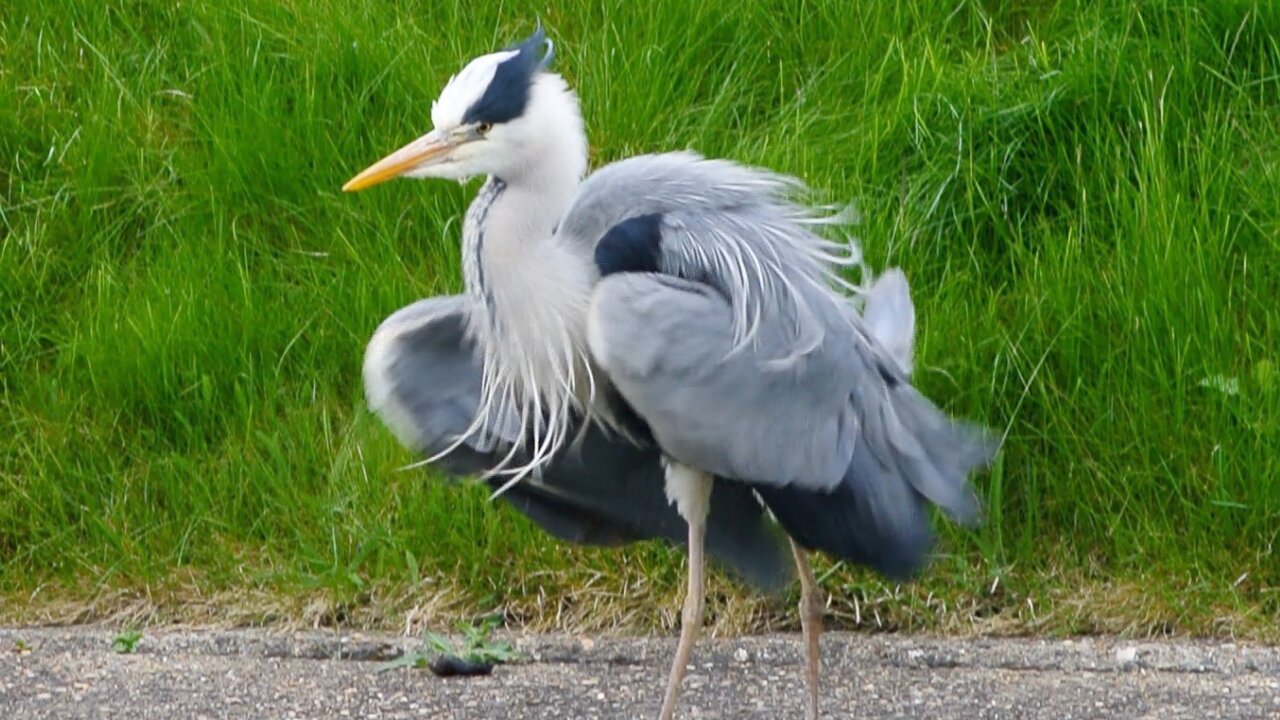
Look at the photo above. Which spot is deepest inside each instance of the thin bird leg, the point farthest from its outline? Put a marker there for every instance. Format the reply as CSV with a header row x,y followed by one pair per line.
x,y
811,625
690,620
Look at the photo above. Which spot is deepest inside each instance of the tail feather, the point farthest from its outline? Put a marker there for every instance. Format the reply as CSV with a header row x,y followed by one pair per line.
x,y
890,317
877,516
938,453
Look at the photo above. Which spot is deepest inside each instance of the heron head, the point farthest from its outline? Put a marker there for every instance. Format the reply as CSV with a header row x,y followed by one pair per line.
x,y
501,114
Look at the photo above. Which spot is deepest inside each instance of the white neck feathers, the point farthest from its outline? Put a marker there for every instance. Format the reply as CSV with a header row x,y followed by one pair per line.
x,y
530,294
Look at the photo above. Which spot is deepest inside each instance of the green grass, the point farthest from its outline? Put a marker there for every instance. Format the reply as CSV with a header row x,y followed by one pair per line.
x,y
1085,196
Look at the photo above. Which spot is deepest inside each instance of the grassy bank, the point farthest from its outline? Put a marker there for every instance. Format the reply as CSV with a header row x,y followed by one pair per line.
x,y
1086,197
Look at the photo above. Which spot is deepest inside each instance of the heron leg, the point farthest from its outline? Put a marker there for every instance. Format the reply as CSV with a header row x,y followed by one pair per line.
x,y
690,621
811,625
691,492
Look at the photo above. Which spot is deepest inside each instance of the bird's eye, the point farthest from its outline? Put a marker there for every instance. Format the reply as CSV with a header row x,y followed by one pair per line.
x,y
484,128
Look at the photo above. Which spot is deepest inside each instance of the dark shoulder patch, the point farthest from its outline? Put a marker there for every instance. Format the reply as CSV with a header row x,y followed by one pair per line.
x,y
508,93
633,245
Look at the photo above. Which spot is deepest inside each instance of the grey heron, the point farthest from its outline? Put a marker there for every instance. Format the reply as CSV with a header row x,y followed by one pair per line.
x,y
669,331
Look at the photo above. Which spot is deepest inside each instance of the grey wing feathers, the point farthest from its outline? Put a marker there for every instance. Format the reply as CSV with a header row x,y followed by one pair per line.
x,y
423,386
660,184
877,515
422,378
717,199
746,361
841,448
665,343
773,341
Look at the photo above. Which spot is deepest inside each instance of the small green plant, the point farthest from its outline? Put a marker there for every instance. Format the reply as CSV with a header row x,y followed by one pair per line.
x,y
21,646
476,648
126,642
476,645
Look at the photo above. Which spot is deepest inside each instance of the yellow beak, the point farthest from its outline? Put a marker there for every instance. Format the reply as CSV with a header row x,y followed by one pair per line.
x,y
429,147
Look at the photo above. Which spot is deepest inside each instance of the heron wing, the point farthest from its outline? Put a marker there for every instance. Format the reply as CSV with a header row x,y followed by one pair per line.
x,y
422,377
717,321
842,449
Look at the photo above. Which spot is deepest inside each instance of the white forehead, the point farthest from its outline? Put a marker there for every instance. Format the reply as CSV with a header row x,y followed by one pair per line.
x,y
465,88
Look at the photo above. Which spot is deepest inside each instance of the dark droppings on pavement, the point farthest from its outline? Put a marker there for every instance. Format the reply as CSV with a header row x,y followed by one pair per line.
x,y
452,665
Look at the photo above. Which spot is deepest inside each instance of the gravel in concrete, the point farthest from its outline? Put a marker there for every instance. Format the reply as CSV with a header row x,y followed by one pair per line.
x,y
73,673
